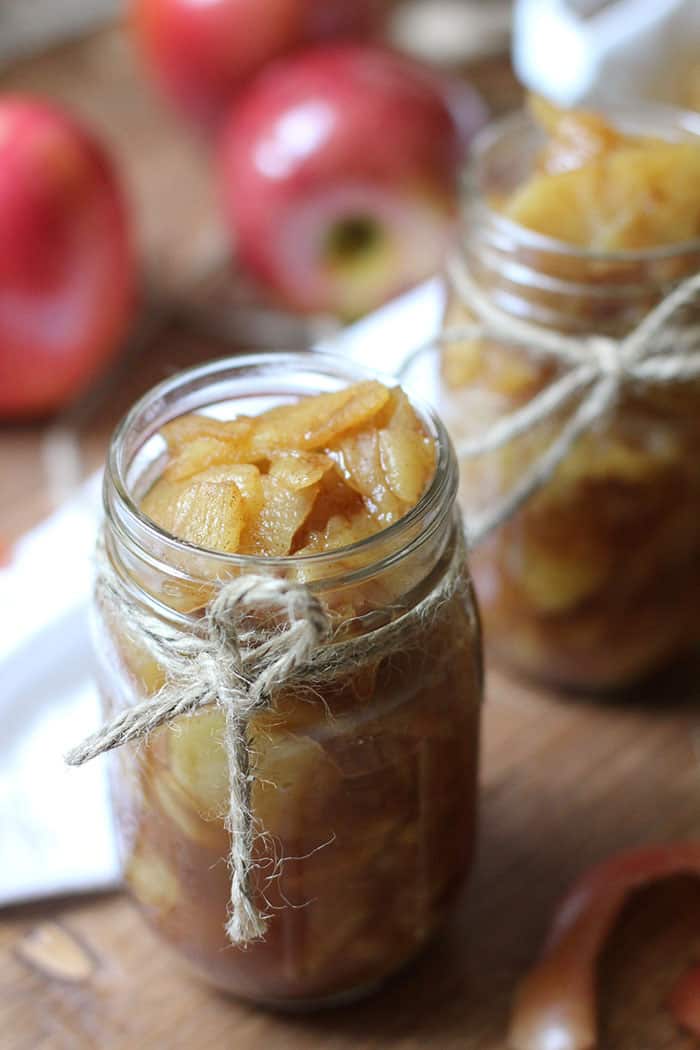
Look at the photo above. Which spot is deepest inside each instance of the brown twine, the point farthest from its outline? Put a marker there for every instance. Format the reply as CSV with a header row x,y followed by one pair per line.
x,y
238,665
596,371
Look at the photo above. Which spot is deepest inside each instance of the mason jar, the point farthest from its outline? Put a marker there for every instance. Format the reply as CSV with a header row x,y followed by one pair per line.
x,y
595,581
364,789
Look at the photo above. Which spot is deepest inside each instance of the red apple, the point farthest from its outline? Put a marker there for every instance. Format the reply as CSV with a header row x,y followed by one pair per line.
x,y
202,51
340,177
66,267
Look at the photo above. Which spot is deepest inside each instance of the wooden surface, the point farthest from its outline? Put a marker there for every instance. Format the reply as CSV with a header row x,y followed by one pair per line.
x,y
564,783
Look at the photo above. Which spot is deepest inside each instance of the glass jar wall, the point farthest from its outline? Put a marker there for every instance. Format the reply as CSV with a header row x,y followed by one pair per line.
x,y
596,581
364,790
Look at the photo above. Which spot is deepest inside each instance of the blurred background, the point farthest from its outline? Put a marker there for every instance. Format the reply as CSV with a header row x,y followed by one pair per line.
x,y
191,297
177,244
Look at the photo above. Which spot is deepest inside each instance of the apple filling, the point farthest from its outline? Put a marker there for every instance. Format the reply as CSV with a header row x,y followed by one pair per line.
x,y
299,479
599,188
363,789
597,580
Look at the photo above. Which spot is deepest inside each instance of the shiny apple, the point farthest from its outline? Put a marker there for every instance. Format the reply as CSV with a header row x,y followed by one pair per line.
x,y
201,51
340,177
66,264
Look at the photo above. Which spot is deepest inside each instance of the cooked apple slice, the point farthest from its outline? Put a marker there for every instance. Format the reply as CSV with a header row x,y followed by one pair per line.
x,y
401,455
283,513
298,470
406,453
140,663
339,531
173,802
197,442
294,778
181,431
199,454
315,421
247,479
335,498
198,761
151,880
357,456
556,579
205,513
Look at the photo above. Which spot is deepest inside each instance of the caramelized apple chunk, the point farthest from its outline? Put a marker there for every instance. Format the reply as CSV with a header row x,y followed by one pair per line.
x,y
299,470
198,761
206,513
387,465
152,881
306,477
590,583
359,462
406,454
340,530
283,513
598,188
247,479
315,421
197,442
179,432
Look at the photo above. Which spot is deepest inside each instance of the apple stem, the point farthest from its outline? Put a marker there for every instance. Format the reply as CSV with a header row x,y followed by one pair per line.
x,y
352,238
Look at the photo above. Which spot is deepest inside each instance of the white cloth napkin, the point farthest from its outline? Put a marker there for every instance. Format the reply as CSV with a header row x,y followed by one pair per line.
x,y
56,834
594,52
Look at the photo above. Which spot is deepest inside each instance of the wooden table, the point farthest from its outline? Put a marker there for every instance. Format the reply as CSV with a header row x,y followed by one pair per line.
x,y
564,782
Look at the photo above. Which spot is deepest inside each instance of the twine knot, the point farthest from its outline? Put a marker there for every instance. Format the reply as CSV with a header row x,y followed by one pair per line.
x,y
233,622
609,360
592,371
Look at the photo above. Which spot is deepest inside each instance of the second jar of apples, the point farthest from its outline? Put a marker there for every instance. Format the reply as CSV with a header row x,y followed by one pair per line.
x,y
581,225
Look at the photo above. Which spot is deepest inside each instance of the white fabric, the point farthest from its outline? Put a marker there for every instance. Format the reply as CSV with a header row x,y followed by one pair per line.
x,y
54,833
55,827
593,52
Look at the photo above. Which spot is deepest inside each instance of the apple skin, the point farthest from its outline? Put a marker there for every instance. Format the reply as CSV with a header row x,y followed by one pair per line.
x,y
340,171
201,53
67,275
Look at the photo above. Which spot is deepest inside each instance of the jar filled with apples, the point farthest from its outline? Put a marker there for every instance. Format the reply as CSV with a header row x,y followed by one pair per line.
x,y
308,473
594,580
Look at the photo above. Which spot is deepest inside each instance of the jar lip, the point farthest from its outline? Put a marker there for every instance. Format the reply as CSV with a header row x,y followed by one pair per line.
x,y
433,506
522,120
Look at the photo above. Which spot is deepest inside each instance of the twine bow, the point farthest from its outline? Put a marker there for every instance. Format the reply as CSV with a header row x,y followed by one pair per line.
x,y
232,663
596,370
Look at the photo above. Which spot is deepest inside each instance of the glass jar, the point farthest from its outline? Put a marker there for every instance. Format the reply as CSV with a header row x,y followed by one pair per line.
x,y
364,790
596,581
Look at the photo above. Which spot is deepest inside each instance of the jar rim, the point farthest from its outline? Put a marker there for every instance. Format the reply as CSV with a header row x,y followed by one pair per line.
x,y
522,121
122,510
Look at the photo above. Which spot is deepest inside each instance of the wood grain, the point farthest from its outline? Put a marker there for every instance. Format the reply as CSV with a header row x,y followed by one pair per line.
x,y
564,782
